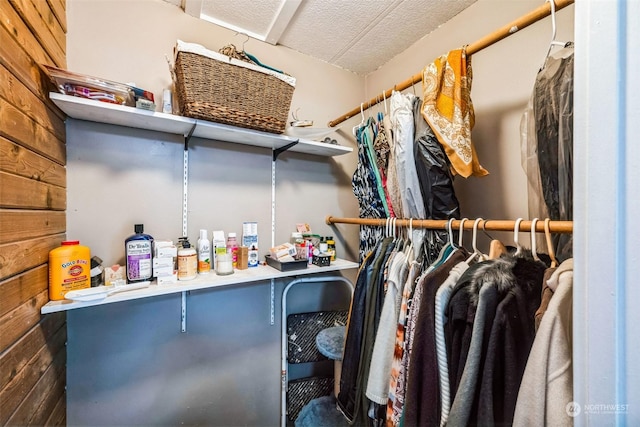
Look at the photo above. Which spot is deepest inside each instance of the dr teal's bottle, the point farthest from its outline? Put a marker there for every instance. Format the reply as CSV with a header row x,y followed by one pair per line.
x,y
139,255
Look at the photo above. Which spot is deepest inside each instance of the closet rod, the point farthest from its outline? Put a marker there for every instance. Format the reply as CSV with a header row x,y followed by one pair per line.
x,y
520,23
441,224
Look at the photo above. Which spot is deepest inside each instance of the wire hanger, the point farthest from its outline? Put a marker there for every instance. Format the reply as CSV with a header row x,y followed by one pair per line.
x,y
534,243
550,250
516,230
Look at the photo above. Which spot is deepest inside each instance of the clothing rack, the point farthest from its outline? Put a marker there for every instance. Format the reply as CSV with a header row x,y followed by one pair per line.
x,y
503,32
562,227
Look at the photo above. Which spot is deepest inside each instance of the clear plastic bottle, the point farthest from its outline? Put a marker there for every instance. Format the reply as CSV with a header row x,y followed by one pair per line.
x,y
232,248
204,253
139,255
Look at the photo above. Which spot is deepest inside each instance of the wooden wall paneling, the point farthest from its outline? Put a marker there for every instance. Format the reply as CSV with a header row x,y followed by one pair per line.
x,y
21,288
17,257
58,416
43,397
23,382
22,34
25,193
58,7
18,355
17,94
36,26
19,320
21,225
23,162
26,69
51,22
21,129
32,176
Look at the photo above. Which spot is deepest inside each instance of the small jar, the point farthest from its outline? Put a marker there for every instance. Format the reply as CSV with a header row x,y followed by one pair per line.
x,y
224,264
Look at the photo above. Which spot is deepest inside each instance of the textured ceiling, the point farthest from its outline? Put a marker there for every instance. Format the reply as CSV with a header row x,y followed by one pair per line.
x,y
357,35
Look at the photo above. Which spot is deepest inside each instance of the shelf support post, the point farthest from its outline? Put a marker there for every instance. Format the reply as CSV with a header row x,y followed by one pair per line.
x,y
183,313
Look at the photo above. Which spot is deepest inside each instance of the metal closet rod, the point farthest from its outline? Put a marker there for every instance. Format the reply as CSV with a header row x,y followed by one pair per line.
x,y
442,224
501,33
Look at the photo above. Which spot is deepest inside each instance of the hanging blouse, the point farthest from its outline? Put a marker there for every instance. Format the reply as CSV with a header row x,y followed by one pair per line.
x,y
446,86
365,188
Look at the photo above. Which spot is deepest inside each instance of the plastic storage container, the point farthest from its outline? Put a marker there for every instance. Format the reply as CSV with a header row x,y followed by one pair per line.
x,y
69,269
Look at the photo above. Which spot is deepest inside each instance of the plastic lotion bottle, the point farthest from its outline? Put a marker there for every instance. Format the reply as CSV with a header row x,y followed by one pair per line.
x,y
139,255
232,248
187,262
204,253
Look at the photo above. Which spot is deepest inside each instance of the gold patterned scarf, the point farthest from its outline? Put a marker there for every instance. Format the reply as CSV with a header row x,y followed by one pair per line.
x,y
447,107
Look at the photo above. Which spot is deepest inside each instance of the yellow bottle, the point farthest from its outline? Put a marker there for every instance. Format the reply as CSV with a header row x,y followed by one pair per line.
x,y
69,269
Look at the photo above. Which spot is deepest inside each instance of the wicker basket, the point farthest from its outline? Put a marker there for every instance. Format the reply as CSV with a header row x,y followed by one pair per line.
x,y
221,92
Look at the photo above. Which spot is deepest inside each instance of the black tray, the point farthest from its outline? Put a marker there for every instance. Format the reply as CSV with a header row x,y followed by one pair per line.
x,y
286,266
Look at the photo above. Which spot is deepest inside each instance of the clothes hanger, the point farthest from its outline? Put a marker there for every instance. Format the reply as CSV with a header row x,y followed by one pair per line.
x,y
496,247
534,243
355,128
516,230
474,241
550,250
384,101
409,246
462,221
450,230
553,42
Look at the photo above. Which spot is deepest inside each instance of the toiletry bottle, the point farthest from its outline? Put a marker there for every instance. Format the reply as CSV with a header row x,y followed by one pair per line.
x,y
331,247
232,248
69,269
139,255
187,262
204,253
324,246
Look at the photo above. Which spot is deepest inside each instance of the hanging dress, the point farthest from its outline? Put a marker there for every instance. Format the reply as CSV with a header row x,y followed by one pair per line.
x,y
367,189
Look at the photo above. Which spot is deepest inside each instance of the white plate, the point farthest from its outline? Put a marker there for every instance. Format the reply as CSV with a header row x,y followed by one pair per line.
x,y
308,132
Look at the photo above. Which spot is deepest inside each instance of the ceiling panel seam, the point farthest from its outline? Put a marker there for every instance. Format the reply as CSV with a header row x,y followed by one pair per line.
x,y
367,29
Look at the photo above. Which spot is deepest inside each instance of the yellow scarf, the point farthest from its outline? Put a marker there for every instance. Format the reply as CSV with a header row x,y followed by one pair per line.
x,y
447,107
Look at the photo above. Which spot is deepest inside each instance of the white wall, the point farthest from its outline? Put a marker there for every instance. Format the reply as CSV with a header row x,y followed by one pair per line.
x,y
128,363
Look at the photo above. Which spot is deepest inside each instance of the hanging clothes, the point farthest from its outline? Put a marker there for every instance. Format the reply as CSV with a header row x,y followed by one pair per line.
x,y
423,388
442,300
363,321
402,345
547,383
436,183
446,87
547,145
368,190
378,382
489,333
393,186
381,149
